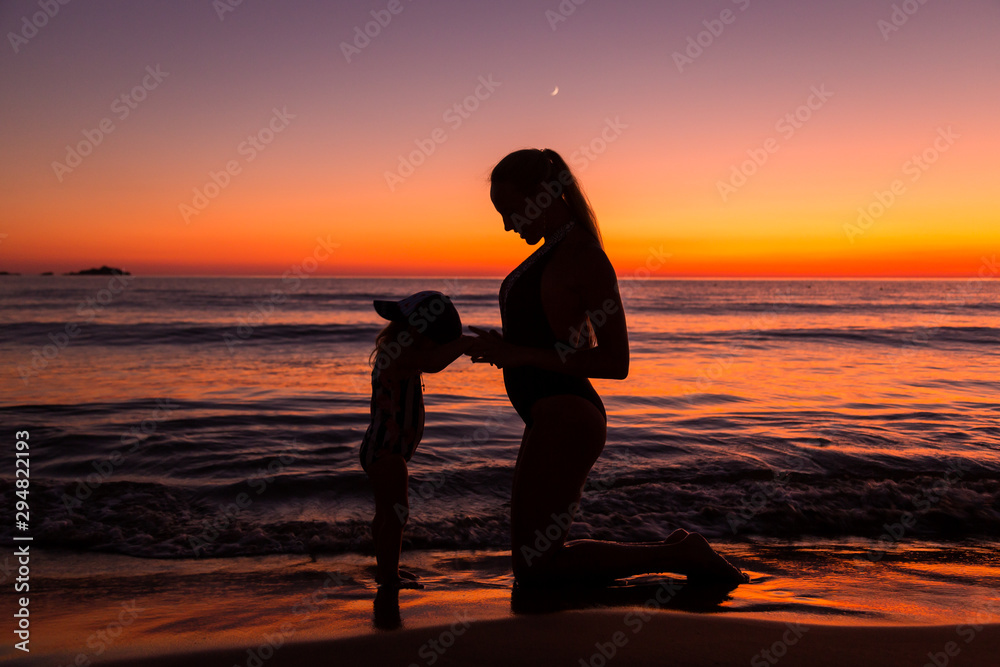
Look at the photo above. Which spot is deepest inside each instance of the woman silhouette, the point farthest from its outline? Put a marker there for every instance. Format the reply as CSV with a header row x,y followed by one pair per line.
x,y
563,323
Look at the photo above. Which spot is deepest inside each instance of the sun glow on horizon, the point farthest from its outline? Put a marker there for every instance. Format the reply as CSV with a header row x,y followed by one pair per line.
x,y
868,156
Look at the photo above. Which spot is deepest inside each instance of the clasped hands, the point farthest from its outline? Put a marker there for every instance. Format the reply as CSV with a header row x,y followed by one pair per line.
x,y
489,347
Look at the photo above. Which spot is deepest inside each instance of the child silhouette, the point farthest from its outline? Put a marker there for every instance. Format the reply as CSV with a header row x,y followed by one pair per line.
x,y
424,334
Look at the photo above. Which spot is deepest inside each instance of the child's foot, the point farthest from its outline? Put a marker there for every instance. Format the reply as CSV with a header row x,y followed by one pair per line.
x,y
403,579
401,584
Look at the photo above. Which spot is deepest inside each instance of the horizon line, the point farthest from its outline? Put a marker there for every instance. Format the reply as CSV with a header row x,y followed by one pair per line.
x,y
499,277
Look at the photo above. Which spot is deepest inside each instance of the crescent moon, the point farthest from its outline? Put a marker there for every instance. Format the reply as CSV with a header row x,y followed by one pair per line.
x,y
555,92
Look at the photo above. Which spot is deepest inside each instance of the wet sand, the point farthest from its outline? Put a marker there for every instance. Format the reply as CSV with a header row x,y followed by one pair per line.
x,y
813,604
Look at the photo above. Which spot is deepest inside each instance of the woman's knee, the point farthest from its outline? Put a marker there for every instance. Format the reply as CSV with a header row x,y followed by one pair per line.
x,y
556,456
533,566
536,539
537,565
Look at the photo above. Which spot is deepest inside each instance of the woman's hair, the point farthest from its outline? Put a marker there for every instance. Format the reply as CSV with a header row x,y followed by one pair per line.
x,y
389,334
534,171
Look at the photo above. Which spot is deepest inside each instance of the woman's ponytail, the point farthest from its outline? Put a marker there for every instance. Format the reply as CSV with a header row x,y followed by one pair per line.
x,y
532,170
579,205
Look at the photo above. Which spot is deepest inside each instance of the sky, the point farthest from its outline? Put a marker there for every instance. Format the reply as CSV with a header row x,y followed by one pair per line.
x,y
714,138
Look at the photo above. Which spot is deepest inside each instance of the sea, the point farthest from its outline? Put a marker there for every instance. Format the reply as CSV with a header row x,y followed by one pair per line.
x,y
184,420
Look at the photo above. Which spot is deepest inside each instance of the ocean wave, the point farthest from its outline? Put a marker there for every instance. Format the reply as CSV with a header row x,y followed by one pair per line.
x,y
244,333
899,337
185,333
158,521
685,305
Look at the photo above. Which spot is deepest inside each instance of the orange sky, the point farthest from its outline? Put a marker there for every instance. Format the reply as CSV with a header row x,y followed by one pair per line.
x,y
912,110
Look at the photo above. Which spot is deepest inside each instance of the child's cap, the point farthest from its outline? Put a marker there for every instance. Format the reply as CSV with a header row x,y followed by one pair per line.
x,y
432,313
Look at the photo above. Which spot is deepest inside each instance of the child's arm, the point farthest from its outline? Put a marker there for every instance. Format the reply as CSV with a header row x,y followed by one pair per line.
x,y
440,356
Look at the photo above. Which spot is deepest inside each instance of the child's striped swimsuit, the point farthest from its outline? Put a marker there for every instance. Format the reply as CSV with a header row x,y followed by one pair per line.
x,y
397,416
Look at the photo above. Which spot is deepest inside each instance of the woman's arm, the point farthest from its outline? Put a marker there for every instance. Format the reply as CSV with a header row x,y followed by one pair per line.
x,y
596,285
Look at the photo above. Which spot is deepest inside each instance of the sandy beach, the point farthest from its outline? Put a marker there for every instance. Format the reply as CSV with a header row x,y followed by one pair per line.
x,y
828,605
634,638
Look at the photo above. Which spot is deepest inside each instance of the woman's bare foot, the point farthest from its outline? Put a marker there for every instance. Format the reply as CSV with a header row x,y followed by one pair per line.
x,y
701,563
676,536
672,538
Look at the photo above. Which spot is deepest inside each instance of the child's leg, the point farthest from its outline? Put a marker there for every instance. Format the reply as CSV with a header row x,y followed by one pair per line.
x,y
389,479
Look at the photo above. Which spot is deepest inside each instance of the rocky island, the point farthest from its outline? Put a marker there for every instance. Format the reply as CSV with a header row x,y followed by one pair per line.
x,y
103,271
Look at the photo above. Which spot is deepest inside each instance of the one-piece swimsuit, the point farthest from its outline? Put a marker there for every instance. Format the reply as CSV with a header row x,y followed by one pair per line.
x,y
525,323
